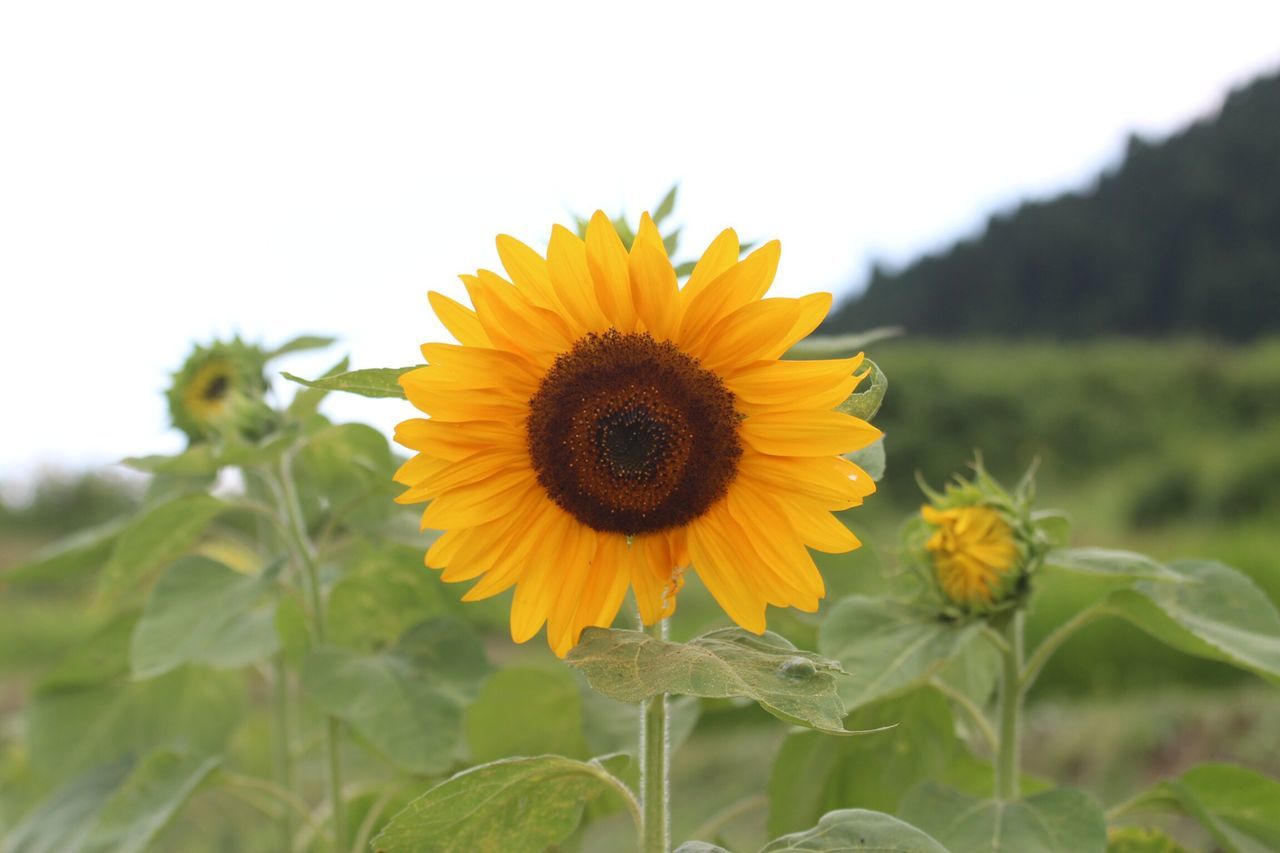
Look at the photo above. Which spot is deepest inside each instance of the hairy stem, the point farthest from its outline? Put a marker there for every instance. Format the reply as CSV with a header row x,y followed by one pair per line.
x,y
1007,761
1059,636
305,553
655,828
975,714
283,761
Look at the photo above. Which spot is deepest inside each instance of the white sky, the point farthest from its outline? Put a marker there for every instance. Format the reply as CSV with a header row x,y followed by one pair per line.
x,y
172,171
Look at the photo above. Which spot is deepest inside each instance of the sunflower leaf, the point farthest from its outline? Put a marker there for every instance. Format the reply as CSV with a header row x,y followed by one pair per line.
x,y
370,382
1059,819
406,701
117,807
668,204
203,612
1215,612
1237,806
857,829
518,805
888,647
793,685
80,552
301,343
839,346
870,459
155,538
1120,565
866,402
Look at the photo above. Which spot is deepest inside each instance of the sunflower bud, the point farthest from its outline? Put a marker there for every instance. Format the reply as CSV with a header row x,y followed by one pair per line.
x,y
978,543
220,393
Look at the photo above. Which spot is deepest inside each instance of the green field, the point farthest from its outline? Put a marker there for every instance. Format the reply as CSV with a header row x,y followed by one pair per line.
x,y
1170,449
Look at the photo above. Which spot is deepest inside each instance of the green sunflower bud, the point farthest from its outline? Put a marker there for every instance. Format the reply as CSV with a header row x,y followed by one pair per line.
x,y
220,393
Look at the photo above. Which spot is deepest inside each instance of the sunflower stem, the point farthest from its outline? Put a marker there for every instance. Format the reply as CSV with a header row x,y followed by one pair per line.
x,y
283,761
655,747
1007,760
304,551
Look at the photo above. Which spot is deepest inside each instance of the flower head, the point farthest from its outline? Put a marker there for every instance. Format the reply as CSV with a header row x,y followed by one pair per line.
x,y
973,552
978,542
220,391
598,428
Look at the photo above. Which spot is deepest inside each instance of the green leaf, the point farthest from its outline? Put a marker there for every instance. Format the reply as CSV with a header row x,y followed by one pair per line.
x,y
1215,612
887,646
118,807
140,809
664,208
307,401
78,553
191,708
386,591
870,459
700,847
1060,819
406,701
525,711
197,460
155,538
684,269
63,821
203,612
1132,839
671,242
866,402
857,829
517,805
841,346
1239,808
370,382
1120,565
1054,524
814,774
293,629
300,343
796,686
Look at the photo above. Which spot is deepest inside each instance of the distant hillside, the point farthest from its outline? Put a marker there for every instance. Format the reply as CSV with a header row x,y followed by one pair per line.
x,y
1182,237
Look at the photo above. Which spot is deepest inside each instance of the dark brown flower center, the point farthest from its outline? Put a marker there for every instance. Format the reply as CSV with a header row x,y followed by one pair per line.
x,y
630,435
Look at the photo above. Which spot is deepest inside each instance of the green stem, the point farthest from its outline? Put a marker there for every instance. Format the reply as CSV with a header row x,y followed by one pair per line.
x,y
1059,636
280,795
280,735
655,828
1007,763
305,553
976,715
718,821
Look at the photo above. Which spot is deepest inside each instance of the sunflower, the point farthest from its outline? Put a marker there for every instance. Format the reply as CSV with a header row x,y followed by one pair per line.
x,y
598,428
220,393
973,551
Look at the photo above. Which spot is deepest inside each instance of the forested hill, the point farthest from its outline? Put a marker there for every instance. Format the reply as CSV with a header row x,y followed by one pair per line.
x,y
1182,237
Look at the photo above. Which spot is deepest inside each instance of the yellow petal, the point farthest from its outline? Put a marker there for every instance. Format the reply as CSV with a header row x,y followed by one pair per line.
x,y
653,576
741,284
528,270
719,256
607,260
761,330
716,563
807,433
654,289
571,277
475,503
460,320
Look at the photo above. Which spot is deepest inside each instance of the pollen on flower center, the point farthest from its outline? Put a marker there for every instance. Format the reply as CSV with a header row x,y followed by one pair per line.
x,y
631,435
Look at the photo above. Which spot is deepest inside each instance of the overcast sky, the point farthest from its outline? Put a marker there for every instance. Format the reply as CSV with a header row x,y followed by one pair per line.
x,y
172,171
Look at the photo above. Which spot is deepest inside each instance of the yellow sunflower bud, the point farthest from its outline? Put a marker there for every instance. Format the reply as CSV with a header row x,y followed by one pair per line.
x,y
220,393
978,543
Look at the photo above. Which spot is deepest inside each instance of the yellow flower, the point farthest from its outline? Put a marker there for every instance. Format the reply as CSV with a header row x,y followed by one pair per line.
x,y
600,427
973,551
